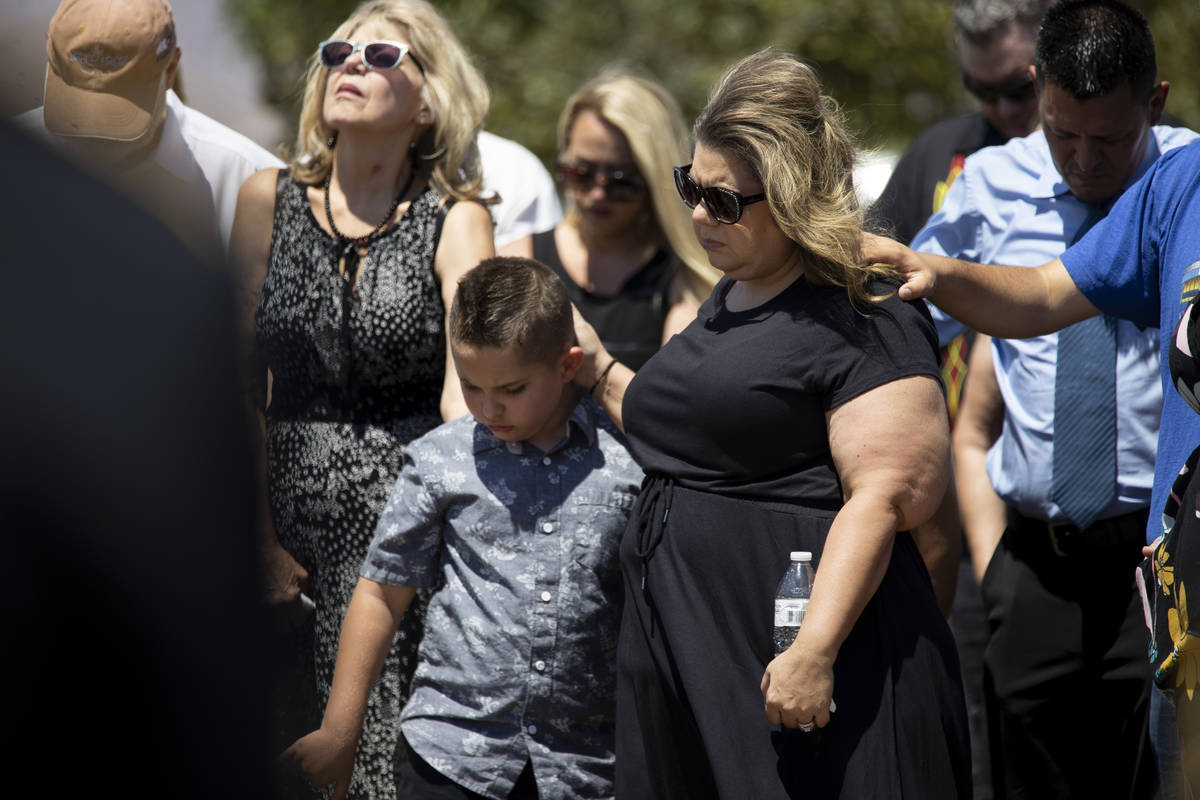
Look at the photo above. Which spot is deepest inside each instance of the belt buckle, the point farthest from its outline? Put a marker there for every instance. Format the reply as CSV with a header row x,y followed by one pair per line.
x,y
1061,536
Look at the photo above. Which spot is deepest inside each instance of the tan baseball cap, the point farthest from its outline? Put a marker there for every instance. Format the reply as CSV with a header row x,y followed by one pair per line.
x,y
106,67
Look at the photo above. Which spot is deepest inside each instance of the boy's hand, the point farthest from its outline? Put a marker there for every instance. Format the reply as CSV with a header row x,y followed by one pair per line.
x,y
322,757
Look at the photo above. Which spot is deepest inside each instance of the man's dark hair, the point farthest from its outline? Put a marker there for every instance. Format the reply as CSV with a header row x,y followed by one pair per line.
x,y
517,303
1091,48
981,21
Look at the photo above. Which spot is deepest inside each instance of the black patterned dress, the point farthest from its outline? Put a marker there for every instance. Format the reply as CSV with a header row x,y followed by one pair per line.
x,y
357,373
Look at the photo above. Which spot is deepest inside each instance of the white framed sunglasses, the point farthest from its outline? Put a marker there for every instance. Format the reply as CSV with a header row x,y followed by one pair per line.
x,y
379,54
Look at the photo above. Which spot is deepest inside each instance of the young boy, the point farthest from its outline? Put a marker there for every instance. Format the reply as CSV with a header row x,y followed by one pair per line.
x,y
514,516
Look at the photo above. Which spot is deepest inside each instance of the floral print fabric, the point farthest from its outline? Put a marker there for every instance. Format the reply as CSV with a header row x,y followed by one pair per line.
x,y
1175,647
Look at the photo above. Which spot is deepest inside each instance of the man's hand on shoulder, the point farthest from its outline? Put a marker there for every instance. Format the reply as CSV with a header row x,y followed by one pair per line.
x,y
917,270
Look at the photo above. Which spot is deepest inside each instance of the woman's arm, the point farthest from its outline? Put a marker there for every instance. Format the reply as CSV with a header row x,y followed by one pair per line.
x,y
601,374
466,240
326,755
250,249
891,450
980,419
940,542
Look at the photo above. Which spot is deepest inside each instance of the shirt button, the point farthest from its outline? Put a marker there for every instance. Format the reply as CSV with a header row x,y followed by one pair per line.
x,y
546,461
546,597
547,527
531,730
540,666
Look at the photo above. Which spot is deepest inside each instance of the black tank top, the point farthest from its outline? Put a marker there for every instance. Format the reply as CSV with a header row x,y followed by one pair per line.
x,y
630,322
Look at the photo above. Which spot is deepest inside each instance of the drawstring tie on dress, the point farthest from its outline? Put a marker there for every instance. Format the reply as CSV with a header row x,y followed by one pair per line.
x,y
657,491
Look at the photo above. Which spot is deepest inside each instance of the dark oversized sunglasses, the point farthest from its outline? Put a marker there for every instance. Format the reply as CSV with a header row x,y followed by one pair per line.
x,y
618,184
376,55
1019,89
725,205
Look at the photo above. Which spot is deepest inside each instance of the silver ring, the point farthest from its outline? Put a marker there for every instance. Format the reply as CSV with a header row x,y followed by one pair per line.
x,y
807,727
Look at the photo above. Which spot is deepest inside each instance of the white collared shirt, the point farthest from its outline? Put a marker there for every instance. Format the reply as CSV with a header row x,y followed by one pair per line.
x,y
225,157
195,149
528,200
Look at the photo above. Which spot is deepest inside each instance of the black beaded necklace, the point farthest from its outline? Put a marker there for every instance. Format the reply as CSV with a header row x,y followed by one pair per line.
x,y
353,248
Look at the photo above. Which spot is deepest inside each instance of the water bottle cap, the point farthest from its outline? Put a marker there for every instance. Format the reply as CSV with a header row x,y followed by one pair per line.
x,y
801,555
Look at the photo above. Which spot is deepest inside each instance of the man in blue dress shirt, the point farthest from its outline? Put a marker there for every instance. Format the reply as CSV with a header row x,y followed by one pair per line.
x,y
1067,681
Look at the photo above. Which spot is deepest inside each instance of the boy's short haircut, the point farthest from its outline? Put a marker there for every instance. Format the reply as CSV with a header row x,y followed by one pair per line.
x,y
511,302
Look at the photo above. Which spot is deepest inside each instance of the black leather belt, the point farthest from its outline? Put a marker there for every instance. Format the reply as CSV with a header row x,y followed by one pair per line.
x,y
1067,539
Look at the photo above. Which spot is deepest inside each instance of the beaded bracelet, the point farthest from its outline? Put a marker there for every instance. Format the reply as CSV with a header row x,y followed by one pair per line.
x,y
603,375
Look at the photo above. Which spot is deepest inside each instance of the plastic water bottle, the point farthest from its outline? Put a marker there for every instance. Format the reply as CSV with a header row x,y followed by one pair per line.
x,y
791,600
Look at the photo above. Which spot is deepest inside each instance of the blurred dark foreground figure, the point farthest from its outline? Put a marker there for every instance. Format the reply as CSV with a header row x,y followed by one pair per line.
x,y
128,576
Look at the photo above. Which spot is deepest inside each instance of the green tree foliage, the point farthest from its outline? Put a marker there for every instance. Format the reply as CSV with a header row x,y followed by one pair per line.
x,y
890,63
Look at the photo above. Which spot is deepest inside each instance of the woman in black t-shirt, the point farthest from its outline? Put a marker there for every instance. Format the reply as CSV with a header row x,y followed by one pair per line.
x,y
801,410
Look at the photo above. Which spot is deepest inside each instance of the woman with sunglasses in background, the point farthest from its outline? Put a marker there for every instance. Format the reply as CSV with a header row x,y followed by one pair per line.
x,y
800,411
624,250
351,256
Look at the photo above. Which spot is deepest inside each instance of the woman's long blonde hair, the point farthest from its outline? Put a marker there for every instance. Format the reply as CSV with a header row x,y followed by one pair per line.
x,y
649,119
768,110
456,93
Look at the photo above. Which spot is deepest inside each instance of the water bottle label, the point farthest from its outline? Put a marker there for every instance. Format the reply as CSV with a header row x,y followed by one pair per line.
x,y
789,611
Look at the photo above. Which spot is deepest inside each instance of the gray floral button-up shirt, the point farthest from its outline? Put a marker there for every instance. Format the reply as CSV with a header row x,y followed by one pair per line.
x,y
519,656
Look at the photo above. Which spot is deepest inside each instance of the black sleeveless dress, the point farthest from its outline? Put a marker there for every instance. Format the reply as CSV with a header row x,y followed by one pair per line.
x,y
357,375
630,322
728,420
